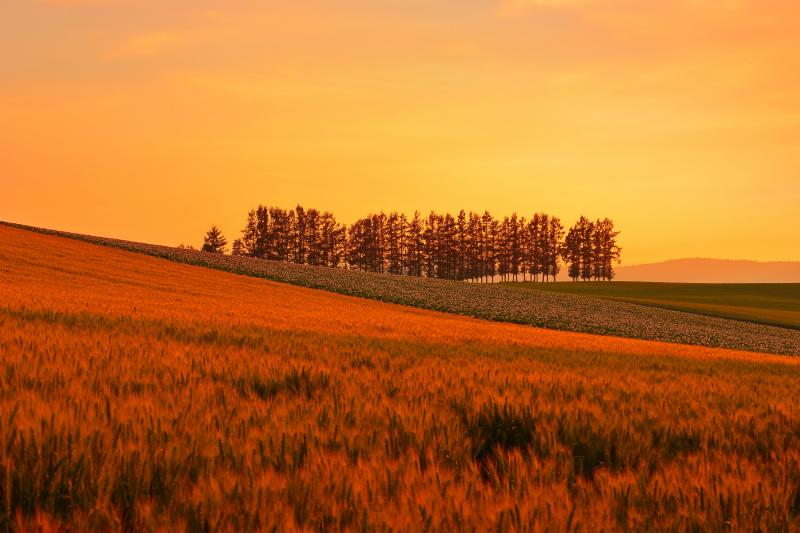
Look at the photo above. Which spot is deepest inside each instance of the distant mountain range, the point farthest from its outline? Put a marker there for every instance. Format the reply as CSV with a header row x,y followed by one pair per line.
x,y
701,270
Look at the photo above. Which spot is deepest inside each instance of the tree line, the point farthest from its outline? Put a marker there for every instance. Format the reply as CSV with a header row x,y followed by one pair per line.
x,y
467,246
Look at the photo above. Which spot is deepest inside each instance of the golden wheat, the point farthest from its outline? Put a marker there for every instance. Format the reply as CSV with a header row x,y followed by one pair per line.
x,y
139,394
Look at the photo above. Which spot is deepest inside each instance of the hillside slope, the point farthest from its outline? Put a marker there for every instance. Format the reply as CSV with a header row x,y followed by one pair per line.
x,y
495,302
138,394
702,270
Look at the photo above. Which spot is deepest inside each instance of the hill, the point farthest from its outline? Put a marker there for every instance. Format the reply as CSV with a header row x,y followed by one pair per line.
x,y
712,271
493,301
776,304
141,394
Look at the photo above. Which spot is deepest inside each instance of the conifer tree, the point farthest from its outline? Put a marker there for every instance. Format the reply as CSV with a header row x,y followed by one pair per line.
x,y
249,238
468,246
214,241
237,249
555,238
571,252
262,235
490,230
586,230
415,251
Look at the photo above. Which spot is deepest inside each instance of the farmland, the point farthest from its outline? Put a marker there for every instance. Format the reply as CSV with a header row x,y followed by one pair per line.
x,y
776,304
142,394
493,302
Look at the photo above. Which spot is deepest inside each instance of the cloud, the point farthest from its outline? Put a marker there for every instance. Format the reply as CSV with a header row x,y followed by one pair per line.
x,y
512,8
78,2
545,3
522,5
148,44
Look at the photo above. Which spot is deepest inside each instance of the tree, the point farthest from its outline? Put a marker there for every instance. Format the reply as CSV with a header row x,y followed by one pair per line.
x,y
430,240
237,249
467,246
249,240
571,252
214,241
281,234
460,246
473,247
263,242
331,236
543,246
608,252
299,233
415,248
555,238
356,245
313,238
488,259
585,232
395,242
448,246
535,246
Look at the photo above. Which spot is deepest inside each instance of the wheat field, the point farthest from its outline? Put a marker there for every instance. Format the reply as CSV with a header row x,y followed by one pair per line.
x,y
137,394
513,303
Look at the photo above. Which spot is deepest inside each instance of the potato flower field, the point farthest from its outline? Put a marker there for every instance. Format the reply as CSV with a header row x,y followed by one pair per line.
x,y
140,394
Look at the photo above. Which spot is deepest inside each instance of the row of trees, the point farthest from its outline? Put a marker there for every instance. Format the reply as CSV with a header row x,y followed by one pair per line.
x,y
466,246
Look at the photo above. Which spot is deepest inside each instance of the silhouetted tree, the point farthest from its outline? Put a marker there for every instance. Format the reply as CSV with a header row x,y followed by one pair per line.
x,y
237,249
571,252
250,237
415,247
460,246
544,251
214,241
534,231
555,237
281,234
490,230
332,238
472,247
430,240
586,231
299,235
448,233
395,231
263,245
467,246
313,238
606,249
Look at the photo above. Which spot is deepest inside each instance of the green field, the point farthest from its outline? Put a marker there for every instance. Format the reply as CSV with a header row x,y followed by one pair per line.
x,y
776,304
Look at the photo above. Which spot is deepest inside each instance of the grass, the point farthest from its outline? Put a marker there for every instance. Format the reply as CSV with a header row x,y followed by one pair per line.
x,y
774,304
495,302
138,394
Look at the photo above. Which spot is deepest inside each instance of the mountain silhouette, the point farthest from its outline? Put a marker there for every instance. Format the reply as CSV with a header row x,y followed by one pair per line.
x,y
706,270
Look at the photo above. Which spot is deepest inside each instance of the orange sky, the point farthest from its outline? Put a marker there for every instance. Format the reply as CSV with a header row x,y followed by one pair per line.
x,y
152,119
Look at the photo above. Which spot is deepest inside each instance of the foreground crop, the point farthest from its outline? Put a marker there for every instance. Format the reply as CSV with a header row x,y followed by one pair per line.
x,y
138,394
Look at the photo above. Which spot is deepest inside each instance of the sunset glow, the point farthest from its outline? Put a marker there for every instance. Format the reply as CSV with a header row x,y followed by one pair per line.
x,y
150,120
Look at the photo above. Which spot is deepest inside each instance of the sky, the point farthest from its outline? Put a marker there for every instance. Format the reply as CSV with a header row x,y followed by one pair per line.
x,y
153,119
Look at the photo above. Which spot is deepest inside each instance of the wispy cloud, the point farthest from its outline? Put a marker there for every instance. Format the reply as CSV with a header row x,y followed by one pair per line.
x,y
517,6
79,2
146,44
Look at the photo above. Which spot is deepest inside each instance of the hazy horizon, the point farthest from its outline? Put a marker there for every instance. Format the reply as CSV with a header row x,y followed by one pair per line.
x,y
712,270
